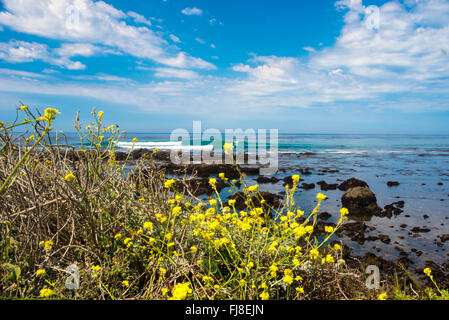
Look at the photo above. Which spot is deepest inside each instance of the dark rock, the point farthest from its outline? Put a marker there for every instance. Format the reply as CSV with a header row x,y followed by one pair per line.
x,y
325,186
425,216
360,201
305,171
308,186
324,216
263,179
391,209
444,237
199,186
384,238
140,153
420,230
120,156
271,200
392,183
207,170
440,183
352,183
405,261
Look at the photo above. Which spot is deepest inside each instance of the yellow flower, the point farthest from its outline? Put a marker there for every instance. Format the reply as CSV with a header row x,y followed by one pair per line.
x,y
299,290
337,246
23,108
329,259
148,225
100,114
181,291
212,182
296,262
96,268
169,183
48,245
344,212
382,296
288,279
227,147
328,229
295,178
128,242
231,202
168,236
321,197
134,140
314,254
253,188
213,202
70,177
40,272
46,293
125,283
264,296
141,200
118,236
222,176
273,269
164,291
50,114
177,211
194,249
428,272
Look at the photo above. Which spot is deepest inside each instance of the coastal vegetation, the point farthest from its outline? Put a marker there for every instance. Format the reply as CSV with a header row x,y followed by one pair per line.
x,y
76,223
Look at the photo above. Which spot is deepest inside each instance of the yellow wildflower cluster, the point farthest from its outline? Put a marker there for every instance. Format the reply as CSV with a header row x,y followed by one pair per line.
x,y
181,291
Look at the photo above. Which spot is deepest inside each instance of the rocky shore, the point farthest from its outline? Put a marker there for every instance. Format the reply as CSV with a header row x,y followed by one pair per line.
x,y
356,196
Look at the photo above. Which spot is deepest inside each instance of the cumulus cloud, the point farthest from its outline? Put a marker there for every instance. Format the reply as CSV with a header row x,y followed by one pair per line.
x,y
94,22
21,51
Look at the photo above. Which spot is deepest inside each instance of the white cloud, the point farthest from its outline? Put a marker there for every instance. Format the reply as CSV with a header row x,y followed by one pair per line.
x,y
175,38
175,73
97,23
192,12
138,18
21,73
309,49
199,40
77,49
21,51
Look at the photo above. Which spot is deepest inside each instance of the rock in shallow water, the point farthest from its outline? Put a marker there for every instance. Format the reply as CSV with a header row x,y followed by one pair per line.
x,y
361,201
352,183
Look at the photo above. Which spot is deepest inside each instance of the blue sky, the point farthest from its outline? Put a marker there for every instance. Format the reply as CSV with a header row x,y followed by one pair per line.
x,y
299,66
